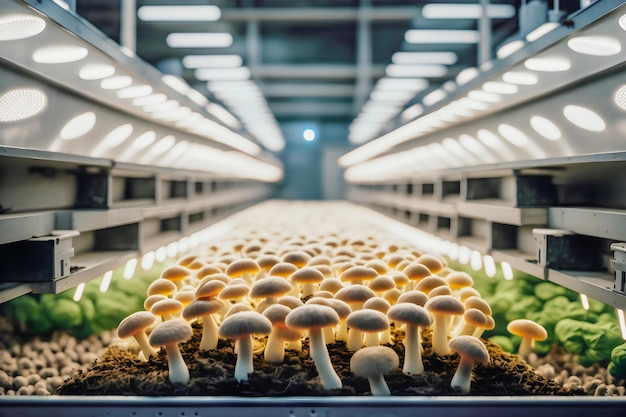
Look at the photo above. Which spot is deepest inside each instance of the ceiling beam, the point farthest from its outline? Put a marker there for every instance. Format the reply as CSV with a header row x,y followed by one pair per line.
x,y
307,90
322,14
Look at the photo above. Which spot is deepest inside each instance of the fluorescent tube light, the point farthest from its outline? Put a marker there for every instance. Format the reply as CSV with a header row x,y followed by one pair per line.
x,y
114,83
418,71
541,31
59,54
545,128
467,11
584,118
176,83
412,84
548,64
595,45
412,112
485,96
78,126
199,40
500,88
467,75
208,13
135,91
207,74
520,78
96,71
509,48
418,36
148,100
212,61
434,97
513,135
442,58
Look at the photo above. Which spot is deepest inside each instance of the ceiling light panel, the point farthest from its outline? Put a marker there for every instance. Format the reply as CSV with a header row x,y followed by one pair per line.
x,y
20,26
441,58
208,13
430,36
546,65
467,11
212,61
199,40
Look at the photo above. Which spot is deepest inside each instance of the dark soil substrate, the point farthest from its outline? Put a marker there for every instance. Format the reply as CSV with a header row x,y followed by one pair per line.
x,y
119,372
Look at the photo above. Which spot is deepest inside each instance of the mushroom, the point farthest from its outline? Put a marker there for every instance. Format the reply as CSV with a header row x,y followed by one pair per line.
x,y
169,334
473,319
331,284
241,327
313,318
529,331
457,280
275,346
414,297
491,324
370,322
381,284
269,288
442,307
373,363
265,262
135,326
244,268
161,286
282,269
167,308
204,308
416,272
296,257
429,283
431,262
470,351
355,295
306,278
176,274
358,274
382,305
414,316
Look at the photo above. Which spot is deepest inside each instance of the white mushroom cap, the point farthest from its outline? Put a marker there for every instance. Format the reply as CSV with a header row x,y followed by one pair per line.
x,y
170,334
470,350
529,331
135,325
372,363
414,297
245,323
161,286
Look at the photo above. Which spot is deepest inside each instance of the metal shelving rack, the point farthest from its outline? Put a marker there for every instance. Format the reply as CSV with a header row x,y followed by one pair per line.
x,y
75,206
551,207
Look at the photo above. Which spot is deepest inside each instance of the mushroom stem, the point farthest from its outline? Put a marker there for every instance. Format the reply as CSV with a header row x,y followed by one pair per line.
x,y
176,364
355,340
440,335
319,353
463,375
372,339
275,348
329,335
413,364
146,349
342,332
209,333
525,347
244,365
378,386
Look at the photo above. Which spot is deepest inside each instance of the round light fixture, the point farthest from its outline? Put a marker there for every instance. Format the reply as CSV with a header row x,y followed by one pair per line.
x,y
309,135
96,71
513,135
620,97
20,26
595,45
59,54
584,118
520,78
21,103
115,83
548,64
78,126
545,128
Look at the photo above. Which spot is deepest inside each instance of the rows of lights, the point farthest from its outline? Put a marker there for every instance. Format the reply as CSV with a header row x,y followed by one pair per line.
x,y
532,75
407,74
70,60
226,76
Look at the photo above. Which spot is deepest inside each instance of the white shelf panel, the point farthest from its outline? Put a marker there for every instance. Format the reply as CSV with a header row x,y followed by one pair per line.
x,y
598,222
16,227
500,212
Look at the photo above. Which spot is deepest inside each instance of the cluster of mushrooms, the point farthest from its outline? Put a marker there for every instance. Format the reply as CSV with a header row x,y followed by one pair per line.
x,y
325,286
